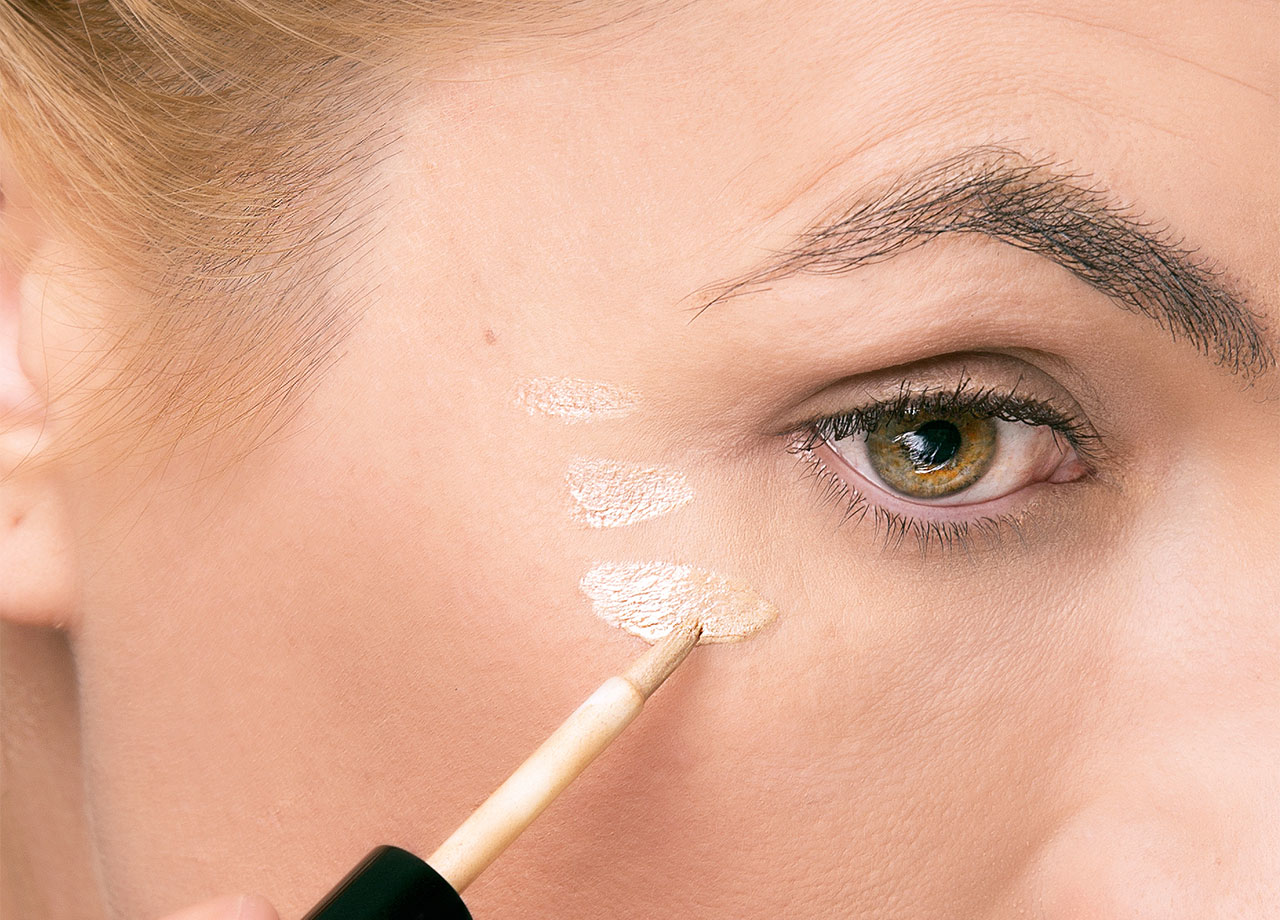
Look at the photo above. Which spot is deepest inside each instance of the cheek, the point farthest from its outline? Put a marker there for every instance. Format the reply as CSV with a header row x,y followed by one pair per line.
x,y
357,635
903,716
346,638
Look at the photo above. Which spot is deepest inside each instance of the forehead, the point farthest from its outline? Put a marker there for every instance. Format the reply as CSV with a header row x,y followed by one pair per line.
x,y
1175,109
715,130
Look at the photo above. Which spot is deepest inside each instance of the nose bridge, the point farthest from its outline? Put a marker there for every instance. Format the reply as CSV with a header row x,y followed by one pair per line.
x,y
1201,581
1175,808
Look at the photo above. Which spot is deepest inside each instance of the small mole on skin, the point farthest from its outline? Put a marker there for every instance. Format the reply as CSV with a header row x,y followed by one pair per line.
x,y
489,337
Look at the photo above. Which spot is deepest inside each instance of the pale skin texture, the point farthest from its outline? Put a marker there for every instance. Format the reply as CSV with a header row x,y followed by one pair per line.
x,y
352,635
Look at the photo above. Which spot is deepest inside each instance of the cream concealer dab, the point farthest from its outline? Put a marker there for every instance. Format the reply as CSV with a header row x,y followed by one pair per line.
x,y
650,599
608,493
574,400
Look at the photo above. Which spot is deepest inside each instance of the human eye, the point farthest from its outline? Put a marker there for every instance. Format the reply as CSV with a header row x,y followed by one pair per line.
x,y
945,462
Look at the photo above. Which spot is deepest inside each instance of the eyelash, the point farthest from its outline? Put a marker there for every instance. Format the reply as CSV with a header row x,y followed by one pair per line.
x,y
896,527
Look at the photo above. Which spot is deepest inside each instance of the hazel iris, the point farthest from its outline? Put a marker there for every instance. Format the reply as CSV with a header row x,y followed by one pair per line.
x,y
932,455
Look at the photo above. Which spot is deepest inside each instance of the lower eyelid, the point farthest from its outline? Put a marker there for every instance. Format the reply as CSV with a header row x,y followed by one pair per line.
x,y
996,528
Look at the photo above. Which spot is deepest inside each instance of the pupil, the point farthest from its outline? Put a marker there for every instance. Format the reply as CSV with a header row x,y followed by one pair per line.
x,y
932,445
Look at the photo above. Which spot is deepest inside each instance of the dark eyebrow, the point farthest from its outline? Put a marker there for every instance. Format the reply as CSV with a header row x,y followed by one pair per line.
x,y
1042,208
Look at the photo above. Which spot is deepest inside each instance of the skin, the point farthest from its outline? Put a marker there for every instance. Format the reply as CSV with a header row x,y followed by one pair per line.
x,y
247,671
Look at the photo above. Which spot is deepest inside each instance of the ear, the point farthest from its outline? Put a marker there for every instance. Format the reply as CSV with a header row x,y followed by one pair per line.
x,y
36,567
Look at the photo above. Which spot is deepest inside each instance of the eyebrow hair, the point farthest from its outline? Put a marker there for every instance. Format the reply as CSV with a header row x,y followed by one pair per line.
x,y
1038,207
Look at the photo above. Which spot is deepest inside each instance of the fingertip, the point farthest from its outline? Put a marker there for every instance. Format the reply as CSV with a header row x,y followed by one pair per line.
x,y
234,907
256,907
227,908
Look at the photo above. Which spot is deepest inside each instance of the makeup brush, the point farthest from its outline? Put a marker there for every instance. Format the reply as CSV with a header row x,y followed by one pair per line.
x,y
393,884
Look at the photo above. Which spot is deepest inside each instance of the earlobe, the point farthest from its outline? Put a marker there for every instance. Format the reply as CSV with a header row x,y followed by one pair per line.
x,y
36,555
36,566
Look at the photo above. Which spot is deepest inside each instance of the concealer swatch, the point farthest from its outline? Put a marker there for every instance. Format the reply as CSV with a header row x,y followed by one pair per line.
x,y
574,400
649,599
608,493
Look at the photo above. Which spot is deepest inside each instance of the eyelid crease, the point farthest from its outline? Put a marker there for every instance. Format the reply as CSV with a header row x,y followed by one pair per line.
x,y
997,370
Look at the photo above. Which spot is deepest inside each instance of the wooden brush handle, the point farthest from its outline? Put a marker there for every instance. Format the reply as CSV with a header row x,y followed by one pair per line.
x,y
558,762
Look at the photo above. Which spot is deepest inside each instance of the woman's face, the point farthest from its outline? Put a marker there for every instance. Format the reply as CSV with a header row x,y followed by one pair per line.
x,y
1053,692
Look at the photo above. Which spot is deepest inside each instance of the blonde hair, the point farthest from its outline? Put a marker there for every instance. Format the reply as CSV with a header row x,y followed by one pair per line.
x,y
212,153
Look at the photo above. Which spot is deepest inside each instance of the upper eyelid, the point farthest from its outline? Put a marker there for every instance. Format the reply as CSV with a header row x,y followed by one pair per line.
x,y
1043,376
1077,428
